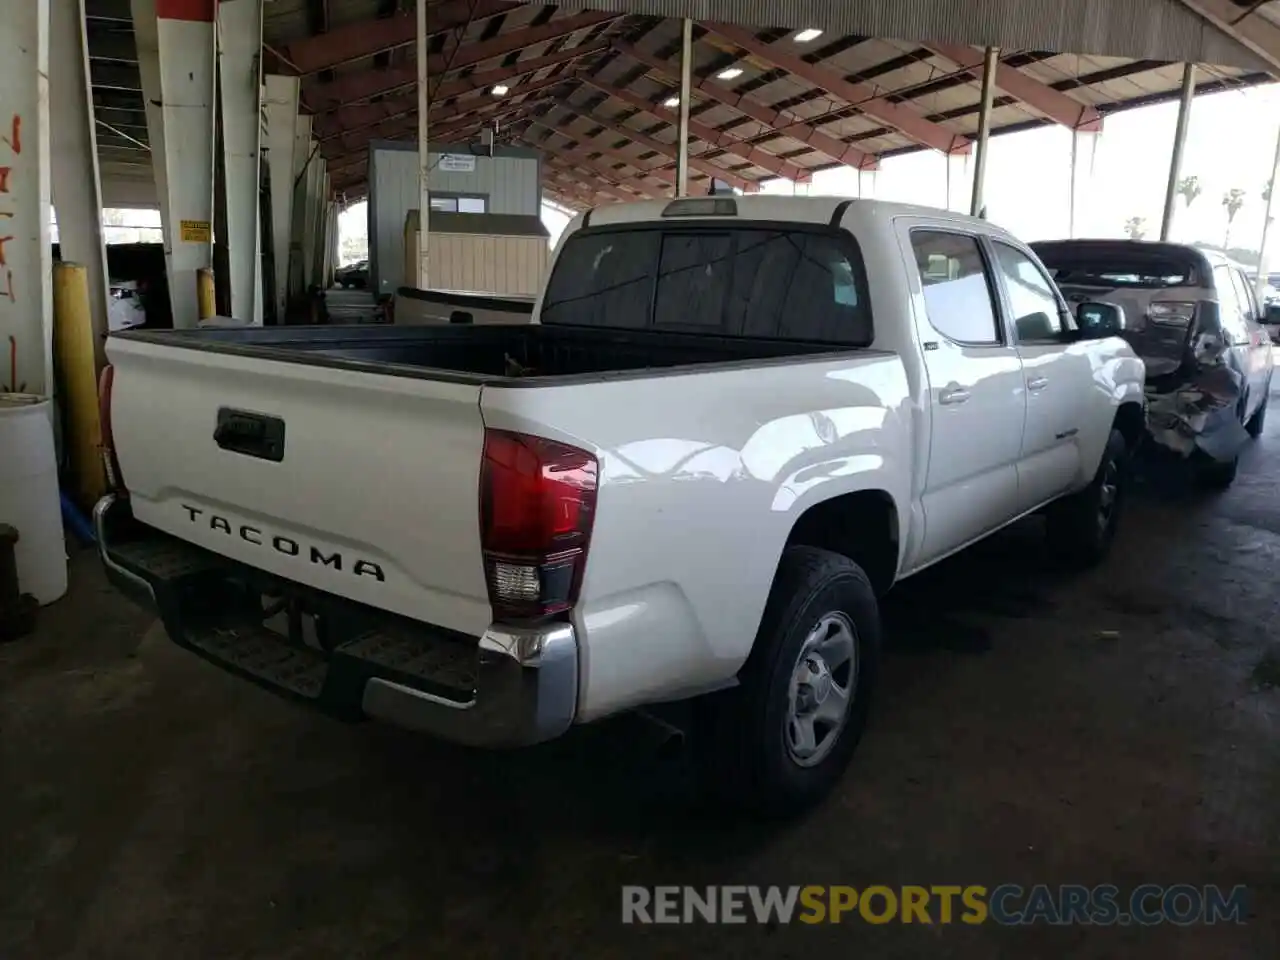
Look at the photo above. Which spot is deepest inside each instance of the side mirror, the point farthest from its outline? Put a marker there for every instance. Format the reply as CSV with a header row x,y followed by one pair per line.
x,y
461,316
1100,320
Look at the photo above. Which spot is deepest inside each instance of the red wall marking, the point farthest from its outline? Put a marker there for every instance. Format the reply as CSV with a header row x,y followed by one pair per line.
x,y
185,10
14,140
4,179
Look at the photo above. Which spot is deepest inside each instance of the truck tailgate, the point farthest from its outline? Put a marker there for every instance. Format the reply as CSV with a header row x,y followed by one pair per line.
x,y
362,485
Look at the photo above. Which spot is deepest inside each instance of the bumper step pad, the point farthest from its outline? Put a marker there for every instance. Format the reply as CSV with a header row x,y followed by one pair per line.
x,y
264,654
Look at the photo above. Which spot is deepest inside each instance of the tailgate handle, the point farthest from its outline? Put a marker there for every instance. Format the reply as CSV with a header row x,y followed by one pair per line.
x,y
253,434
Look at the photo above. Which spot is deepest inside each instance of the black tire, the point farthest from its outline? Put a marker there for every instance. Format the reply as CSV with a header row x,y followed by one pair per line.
x,y
1082,526
745,732
1217,474
1258,421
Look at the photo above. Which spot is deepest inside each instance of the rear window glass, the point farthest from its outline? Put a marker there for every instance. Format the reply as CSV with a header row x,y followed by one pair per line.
x,y
1117,269
737,281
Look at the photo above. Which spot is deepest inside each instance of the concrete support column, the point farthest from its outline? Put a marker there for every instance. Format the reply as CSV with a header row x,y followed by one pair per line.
x,y
312,185
77,190
175,40
26,284
322,225
302,149
866,184
1084,150
959,185
282,117
423,280
240,76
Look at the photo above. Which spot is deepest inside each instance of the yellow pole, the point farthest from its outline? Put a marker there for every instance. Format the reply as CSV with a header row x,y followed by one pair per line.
x,y
204,293
77,375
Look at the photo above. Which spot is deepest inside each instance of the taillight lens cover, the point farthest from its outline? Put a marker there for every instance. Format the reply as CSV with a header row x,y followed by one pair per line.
x,y
1173,313
537,504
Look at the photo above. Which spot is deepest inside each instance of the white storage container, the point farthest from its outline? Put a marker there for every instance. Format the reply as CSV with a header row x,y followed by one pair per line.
x,y
29,498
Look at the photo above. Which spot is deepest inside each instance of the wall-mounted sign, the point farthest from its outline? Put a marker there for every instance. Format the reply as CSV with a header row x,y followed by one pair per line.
x,y
194,231
457,163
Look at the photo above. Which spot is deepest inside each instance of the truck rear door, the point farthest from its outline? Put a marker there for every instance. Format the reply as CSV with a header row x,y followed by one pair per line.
x,y
351,482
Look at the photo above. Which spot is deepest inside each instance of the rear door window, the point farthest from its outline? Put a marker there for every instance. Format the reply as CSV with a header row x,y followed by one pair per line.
x,y
1230,308
738,281
957,289
1244,291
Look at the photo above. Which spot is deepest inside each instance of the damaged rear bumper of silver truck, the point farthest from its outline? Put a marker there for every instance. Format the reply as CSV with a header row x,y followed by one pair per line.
x,y
511,687
1200,411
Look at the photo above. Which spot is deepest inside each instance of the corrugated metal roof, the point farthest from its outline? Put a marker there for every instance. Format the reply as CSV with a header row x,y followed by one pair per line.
x,y
907,74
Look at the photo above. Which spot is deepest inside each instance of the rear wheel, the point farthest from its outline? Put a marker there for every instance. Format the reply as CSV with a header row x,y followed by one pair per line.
x,y
1082,525
1218,474
779,741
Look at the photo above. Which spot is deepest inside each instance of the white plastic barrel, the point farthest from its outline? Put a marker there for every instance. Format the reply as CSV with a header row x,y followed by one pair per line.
x,y
29,498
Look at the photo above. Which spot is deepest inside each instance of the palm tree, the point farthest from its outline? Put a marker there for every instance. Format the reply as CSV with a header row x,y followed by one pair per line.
x,y
1189,188
1136,227
1233,200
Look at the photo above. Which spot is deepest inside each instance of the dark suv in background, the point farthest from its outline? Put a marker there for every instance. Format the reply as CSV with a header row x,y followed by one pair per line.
x,y
1193,318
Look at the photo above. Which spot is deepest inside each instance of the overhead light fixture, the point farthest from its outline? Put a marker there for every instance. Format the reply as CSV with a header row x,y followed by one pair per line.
x,y
806,36
731,74
671,102
501,90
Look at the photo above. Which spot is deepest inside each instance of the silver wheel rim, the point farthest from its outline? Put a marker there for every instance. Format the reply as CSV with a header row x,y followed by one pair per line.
x,y
823,682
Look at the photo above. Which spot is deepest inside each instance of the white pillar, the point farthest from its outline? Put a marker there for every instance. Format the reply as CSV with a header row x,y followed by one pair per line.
x,y
424,156
1264,258
298,187
26,277
867,184
311,185
322,223
1084,150
282,117
147,42
240,75
179,35
76,183
686,78
959,185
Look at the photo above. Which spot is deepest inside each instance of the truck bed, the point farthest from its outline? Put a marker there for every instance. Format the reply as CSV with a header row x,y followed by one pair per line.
x,y
485,353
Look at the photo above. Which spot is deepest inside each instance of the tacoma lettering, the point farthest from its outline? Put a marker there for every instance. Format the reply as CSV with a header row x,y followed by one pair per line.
x,y
286,545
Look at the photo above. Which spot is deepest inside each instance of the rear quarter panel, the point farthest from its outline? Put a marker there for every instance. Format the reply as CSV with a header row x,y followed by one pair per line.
x,y
703,474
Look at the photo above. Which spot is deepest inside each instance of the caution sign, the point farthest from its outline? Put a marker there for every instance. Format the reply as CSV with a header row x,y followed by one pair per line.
x,y
195,231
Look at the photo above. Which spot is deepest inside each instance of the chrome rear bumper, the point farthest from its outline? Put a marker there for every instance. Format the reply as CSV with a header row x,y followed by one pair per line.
x,y
514,686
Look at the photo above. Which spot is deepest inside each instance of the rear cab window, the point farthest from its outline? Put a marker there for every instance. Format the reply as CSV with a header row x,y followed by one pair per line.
x,y
764,280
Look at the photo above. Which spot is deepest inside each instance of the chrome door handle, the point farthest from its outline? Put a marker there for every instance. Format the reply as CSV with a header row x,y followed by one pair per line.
x,y
1037,383
955,395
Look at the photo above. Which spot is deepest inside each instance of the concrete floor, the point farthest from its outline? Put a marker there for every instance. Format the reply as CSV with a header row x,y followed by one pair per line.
x,y
154,807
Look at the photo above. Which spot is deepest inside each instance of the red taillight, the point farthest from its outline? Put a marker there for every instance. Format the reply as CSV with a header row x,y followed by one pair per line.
x,y
537,500
115,480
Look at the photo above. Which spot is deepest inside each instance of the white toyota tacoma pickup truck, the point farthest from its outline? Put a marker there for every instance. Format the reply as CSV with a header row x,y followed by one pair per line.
x,y
733,423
